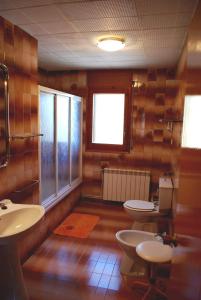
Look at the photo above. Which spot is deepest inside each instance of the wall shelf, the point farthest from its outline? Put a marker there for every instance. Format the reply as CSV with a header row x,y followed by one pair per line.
x,y
170,123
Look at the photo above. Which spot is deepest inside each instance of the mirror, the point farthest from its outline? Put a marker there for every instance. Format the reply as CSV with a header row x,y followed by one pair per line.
x,y
4,116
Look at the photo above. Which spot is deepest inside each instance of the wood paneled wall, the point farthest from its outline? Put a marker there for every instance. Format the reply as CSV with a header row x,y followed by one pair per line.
x,y
185,281
74,82
151,142
18,50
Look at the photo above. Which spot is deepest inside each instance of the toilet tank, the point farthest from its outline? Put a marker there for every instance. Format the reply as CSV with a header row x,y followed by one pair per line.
x,y
165,193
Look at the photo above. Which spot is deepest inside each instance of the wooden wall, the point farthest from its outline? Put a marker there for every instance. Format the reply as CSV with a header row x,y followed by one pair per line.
x,y
185,281
151,142
18,50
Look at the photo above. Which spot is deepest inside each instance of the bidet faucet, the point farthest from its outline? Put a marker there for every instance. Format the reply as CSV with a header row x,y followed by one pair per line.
x,y
161,234
167,239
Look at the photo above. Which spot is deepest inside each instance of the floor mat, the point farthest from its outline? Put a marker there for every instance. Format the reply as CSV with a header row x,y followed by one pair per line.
x,y
77,225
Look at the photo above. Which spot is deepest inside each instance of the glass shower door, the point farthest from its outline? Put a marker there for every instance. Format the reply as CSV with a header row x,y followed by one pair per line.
x,y
63,157
60,123
75,137
48,163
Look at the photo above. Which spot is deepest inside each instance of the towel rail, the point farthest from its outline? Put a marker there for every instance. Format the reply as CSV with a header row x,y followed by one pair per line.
x,y
32,184
22,137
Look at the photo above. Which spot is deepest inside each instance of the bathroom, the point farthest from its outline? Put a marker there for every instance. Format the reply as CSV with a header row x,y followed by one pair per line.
x,y
55,266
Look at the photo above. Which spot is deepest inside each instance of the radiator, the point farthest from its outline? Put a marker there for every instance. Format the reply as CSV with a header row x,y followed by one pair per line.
x,y
122,185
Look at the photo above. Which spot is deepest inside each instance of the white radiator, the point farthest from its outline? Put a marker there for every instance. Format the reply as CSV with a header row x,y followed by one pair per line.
x,y
122,185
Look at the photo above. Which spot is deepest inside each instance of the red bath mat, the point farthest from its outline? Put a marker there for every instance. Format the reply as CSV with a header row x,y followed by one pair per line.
x,y
77,225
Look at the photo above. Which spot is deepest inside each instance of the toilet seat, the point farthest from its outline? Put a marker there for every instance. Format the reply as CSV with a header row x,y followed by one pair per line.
x,y
139,205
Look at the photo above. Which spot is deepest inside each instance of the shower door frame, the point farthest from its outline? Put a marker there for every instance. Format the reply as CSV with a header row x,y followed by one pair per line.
x,y
60,194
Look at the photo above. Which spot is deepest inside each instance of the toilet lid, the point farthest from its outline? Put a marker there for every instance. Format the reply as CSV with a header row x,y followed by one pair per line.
x,y
140,205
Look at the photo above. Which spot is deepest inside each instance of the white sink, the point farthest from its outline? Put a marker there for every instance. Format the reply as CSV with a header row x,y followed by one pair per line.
x,y
14,220
17,218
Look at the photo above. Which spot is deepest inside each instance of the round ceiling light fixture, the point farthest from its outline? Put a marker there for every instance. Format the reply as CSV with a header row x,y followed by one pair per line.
x,y
111,43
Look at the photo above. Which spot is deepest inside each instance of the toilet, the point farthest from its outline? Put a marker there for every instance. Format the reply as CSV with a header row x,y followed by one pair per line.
x,y
145,213
139,209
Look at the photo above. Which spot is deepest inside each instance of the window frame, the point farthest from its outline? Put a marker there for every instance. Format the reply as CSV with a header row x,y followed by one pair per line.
x,y
125,147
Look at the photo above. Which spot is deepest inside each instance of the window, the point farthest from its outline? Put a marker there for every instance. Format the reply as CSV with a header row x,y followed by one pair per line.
x,y
108,120
191,137
60,147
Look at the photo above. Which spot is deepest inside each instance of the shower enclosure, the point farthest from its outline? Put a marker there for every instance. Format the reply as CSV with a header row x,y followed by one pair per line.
x,y
60,147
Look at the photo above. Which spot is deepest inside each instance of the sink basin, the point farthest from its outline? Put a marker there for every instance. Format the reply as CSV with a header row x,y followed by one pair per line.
x,y
14,220
17,218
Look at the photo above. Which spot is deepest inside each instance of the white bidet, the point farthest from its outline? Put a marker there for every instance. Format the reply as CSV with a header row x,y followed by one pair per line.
x,y
128,241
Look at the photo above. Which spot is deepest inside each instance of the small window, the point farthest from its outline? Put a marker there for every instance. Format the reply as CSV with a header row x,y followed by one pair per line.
x,y
107,121
108,126
192,122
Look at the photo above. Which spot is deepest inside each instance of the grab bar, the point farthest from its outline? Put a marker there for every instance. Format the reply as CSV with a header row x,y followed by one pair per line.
x,y
32,184
28,136
4,69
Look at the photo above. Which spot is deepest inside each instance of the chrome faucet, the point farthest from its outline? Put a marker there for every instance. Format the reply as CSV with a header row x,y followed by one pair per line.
x,y
167,239
3,205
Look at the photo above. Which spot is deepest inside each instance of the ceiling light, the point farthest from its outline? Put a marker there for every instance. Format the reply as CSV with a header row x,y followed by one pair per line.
x,y
111,43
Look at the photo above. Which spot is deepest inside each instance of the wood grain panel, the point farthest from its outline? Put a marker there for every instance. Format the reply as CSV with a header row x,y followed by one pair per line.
x,y
20,55
185,281
109,78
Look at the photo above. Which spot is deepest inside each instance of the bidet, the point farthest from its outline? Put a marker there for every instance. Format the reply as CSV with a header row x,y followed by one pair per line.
x,y
128,241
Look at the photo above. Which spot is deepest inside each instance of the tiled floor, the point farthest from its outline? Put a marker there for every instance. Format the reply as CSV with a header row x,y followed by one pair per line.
x,y
67,268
